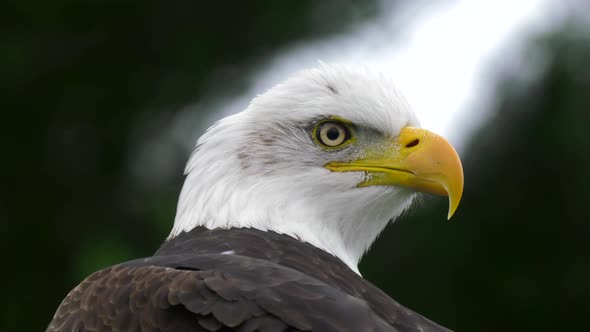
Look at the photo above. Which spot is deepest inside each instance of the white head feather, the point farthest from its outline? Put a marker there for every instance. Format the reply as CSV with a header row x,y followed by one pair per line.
x,y
261,168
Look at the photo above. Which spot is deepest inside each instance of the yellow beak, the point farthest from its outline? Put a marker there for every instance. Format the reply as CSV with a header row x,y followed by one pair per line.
x,y
417,159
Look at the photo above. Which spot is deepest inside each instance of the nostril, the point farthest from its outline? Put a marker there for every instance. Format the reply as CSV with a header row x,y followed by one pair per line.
x,y
413,143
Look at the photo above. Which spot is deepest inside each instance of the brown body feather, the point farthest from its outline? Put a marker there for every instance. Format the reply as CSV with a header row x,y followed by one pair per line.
x,y
233,280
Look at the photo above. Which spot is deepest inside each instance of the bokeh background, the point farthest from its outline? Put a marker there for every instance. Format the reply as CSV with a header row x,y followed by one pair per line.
x,y
103,101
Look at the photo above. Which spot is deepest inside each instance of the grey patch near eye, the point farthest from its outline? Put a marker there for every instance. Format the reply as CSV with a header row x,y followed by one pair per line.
x,y
267,141
261,149
269,161
244,160
242,156
332,89
273,148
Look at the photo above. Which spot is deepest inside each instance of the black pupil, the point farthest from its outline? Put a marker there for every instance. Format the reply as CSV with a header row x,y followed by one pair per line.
x,y
333,133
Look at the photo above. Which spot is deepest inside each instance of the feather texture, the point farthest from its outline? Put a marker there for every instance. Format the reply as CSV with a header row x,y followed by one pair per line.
x,y
272,283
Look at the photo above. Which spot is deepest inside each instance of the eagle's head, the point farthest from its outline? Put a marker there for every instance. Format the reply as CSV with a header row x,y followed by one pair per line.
x,y
330,156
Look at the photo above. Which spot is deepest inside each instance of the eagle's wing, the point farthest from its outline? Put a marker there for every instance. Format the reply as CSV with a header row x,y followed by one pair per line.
x,y
210,293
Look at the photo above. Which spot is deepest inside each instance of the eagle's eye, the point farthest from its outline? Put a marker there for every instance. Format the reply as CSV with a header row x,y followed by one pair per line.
x,y
332,134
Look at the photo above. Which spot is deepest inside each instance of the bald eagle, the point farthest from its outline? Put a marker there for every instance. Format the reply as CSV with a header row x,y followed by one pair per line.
x,y
279,204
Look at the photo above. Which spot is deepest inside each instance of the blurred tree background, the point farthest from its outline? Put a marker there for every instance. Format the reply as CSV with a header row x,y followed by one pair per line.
x,y
90,88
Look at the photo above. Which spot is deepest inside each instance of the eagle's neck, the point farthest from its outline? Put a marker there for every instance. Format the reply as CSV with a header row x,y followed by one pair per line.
x,y
341,221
